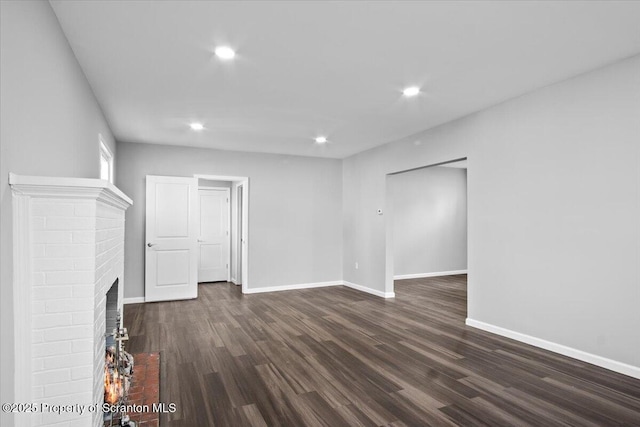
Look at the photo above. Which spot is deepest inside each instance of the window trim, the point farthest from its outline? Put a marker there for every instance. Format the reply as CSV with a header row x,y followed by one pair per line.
x,y
106,154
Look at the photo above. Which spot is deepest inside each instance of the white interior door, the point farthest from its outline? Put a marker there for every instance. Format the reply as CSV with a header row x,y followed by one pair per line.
x,y
171,261
214,235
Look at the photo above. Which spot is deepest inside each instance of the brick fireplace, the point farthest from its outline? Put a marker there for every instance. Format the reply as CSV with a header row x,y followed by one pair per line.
x,y
68,253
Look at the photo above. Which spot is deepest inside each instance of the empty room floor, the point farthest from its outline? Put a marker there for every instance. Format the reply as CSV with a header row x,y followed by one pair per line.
x,y
338,357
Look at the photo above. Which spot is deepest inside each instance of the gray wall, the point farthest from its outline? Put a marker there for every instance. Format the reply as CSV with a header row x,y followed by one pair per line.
x,y
294,209
50,122
429,220
553,208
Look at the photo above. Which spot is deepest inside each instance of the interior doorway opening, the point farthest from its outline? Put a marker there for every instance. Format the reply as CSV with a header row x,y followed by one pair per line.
x,y
214,231
234,245
426,224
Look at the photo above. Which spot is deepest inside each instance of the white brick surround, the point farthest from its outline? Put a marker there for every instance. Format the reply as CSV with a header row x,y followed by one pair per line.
x,y
68,250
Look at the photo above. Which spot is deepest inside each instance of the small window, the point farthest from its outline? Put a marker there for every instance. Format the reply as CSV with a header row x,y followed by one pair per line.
x,y
106,162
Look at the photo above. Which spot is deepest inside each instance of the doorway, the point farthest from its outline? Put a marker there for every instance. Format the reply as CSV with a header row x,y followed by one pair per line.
x,y
426,224
237,266
214,237
172,232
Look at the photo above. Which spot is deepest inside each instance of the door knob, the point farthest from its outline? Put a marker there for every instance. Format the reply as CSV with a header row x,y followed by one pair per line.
x,y
200,241
151,244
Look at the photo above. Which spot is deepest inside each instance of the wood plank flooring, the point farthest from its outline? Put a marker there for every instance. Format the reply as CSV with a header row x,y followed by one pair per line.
x,y
338,357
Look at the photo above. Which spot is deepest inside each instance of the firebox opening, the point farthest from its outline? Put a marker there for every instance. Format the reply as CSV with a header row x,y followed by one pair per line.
x,y
118,364
111,313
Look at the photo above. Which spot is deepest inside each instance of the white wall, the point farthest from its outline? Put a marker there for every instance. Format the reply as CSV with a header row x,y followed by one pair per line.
x,y
50,122
429,220
553,208
294,209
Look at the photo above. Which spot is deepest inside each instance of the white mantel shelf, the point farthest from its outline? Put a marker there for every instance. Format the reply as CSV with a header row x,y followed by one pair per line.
x,y
48,186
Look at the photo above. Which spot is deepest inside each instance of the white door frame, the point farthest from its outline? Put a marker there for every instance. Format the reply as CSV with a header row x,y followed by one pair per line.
x,y
244,180
227,190
238,188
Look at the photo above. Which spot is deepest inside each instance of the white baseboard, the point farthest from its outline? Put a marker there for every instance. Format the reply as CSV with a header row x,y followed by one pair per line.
x,y
292,287
622,368
434,274
321,285
361,288
369,290
133,300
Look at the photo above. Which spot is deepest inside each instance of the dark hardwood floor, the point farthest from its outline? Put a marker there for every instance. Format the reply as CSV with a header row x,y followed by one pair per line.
x,y
339,357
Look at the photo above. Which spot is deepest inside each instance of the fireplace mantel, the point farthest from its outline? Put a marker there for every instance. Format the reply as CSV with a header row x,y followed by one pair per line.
x,y
68,248
63,187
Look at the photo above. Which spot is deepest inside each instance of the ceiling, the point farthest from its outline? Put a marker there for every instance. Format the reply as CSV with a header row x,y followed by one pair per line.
x,y
305,69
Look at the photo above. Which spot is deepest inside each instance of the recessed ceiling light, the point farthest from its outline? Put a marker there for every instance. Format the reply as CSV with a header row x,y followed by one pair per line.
x,y
225,52
321,139
196,126
411,91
